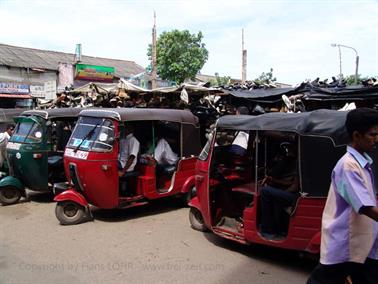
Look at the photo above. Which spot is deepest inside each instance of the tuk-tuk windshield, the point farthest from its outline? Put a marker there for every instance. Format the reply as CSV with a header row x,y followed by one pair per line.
x,y
27,131
92,134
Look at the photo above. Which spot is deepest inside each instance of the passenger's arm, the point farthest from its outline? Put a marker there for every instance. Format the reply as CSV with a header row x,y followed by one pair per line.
x,y
294,187
370,211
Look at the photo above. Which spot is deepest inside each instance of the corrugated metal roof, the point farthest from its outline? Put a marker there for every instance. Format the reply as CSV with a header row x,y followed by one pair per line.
x,y
46,59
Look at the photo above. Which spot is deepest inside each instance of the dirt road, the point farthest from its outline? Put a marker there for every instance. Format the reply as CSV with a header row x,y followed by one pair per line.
x,y
151,244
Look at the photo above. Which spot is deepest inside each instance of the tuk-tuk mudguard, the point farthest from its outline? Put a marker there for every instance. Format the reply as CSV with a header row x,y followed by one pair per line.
x,y
188,184
314,245
71,195
194,202
11,181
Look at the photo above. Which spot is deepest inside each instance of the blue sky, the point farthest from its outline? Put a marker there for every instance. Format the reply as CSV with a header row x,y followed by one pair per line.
x,y
293,37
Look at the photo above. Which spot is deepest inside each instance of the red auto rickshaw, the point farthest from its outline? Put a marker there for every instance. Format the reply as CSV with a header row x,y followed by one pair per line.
x,y
228,200
91,159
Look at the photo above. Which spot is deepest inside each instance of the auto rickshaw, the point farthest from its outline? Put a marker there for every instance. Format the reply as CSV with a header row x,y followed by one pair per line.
x,y
6,118
35,152
91,161
228,200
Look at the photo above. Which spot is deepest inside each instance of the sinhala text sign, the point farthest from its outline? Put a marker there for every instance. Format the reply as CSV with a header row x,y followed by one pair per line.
x,y
94,73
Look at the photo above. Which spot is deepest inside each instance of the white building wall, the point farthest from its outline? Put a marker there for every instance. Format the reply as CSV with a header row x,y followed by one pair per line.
x,y
27,76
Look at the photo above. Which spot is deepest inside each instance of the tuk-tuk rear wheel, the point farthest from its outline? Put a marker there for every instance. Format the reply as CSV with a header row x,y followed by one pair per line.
x,y
9,195
69,213
196,220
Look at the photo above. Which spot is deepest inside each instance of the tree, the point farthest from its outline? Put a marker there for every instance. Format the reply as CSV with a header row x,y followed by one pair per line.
x,y
266,77
350,80
180,55
220,81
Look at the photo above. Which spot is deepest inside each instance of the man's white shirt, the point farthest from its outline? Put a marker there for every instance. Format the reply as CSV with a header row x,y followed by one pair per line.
x,y
241,139
164,154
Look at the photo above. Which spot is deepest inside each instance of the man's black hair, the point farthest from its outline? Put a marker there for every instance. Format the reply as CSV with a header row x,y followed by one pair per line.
x,y
10,126
361,120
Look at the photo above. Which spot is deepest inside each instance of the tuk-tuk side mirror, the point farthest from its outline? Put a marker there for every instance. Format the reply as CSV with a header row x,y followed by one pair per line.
x,y
48,123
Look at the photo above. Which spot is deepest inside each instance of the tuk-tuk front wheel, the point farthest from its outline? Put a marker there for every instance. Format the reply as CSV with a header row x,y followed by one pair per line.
x,y
196,220
70,213
9,195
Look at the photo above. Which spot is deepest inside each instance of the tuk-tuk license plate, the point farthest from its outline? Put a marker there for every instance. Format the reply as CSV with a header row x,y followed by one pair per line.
x,y
13,146
78,154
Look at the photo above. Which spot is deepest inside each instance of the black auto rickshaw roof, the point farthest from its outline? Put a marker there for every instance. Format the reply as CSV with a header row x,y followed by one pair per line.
x,y
139,114
326,123
54,113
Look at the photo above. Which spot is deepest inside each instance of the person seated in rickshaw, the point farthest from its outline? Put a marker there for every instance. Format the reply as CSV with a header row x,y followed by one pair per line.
x,y
128,153
163,155
280,191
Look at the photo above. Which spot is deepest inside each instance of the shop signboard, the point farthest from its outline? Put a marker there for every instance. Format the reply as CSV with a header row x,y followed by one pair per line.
x,y
94,73
50,90
14,88
45,91
37,91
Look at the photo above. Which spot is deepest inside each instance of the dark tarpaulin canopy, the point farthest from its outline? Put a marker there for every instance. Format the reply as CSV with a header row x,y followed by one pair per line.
x,y
271,95
344,94
310,92
326,123
190,139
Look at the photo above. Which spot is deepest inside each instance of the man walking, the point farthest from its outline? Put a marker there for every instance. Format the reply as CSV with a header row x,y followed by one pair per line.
x,y
349,242
4,137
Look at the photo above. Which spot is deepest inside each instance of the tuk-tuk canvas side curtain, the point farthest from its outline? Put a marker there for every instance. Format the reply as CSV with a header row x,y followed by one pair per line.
x,y
191,143
318,157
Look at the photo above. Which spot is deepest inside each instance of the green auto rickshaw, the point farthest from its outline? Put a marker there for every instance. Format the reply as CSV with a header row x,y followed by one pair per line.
x,y
35,152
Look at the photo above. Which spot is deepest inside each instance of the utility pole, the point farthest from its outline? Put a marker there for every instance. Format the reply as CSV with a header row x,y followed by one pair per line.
x,y
153,63
357,60
244,60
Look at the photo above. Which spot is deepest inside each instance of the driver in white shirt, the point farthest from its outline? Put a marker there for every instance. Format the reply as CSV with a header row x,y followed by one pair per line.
x,y
128,152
